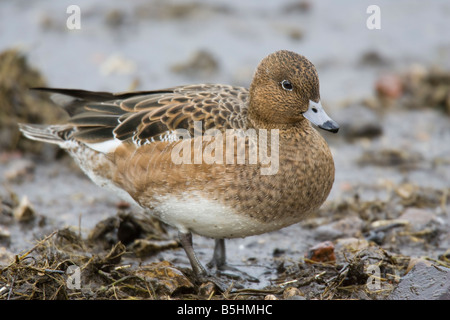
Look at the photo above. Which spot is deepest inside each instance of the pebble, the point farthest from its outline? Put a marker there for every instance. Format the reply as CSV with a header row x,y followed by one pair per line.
x,y
5,234
123,205
292,293
322,252
389,86
24,211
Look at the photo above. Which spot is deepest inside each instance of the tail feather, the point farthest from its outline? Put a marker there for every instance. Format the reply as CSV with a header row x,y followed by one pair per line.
x,y
50,134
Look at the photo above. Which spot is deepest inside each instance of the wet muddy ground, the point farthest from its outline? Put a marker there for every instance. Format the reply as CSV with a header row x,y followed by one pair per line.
x,y
384,232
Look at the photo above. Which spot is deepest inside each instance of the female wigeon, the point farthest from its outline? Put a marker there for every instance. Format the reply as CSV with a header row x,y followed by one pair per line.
x,y
175,152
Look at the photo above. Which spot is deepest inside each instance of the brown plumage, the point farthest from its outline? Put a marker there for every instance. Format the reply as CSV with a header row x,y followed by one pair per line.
x,y
128,141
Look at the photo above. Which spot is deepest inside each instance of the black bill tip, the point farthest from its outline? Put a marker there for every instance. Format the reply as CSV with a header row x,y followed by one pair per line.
x,y
331,126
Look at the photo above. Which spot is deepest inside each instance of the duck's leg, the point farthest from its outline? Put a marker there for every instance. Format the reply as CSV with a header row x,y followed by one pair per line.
x,y
219,261
200,272
186,242
219,257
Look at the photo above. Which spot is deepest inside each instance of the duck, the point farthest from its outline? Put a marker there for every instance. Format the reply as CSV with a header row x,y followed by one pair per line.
x,y
188,155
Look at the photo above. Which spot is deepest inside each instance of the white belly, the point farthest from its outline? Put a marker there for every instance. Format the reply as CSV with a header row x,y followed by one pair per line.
x,y
191,212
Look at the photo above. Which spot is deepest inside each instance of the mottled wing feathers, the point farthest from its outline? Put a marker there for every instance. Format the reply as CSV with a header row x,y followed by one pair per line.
x,y
218,107
147,116
74,100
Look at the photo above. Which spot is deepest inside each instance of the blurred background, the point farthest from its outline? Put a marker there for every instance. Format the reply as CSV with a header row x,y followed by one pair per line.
x,y
389,89
149,44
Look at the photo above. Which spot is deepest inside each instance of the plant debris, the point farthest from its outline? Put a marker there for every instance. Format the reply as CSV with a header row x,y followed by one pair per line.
x,y
20,105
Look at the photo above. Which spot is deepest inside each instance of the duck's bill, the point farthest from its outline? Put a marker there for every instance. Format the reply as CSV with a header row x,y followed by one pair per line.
x,y
319,117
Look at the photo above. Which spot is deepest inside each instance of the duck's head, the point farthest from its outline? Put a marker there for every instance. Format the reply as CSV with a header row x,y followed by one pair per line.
x,y
285,90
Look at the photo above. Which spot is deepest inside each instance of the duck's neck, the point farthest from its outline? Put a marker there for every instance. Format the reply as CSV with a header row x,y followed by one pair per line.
x,y
257,122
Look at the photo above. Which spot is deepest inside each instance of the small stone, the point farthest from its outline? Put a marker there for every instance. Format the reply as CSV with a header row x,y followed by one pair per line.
x,y
25,211
322,252
5,234
270,297
406,190
291,293
389,86
123,205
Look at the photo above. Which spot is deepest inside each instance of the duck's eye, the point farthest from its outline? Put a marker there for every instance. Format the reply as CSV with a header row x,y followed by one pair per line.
x,y
287,85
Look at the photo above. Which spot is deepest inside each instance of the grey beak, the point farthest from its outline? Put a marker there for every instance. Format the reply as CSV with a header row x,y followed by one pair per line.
x,y
318,116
